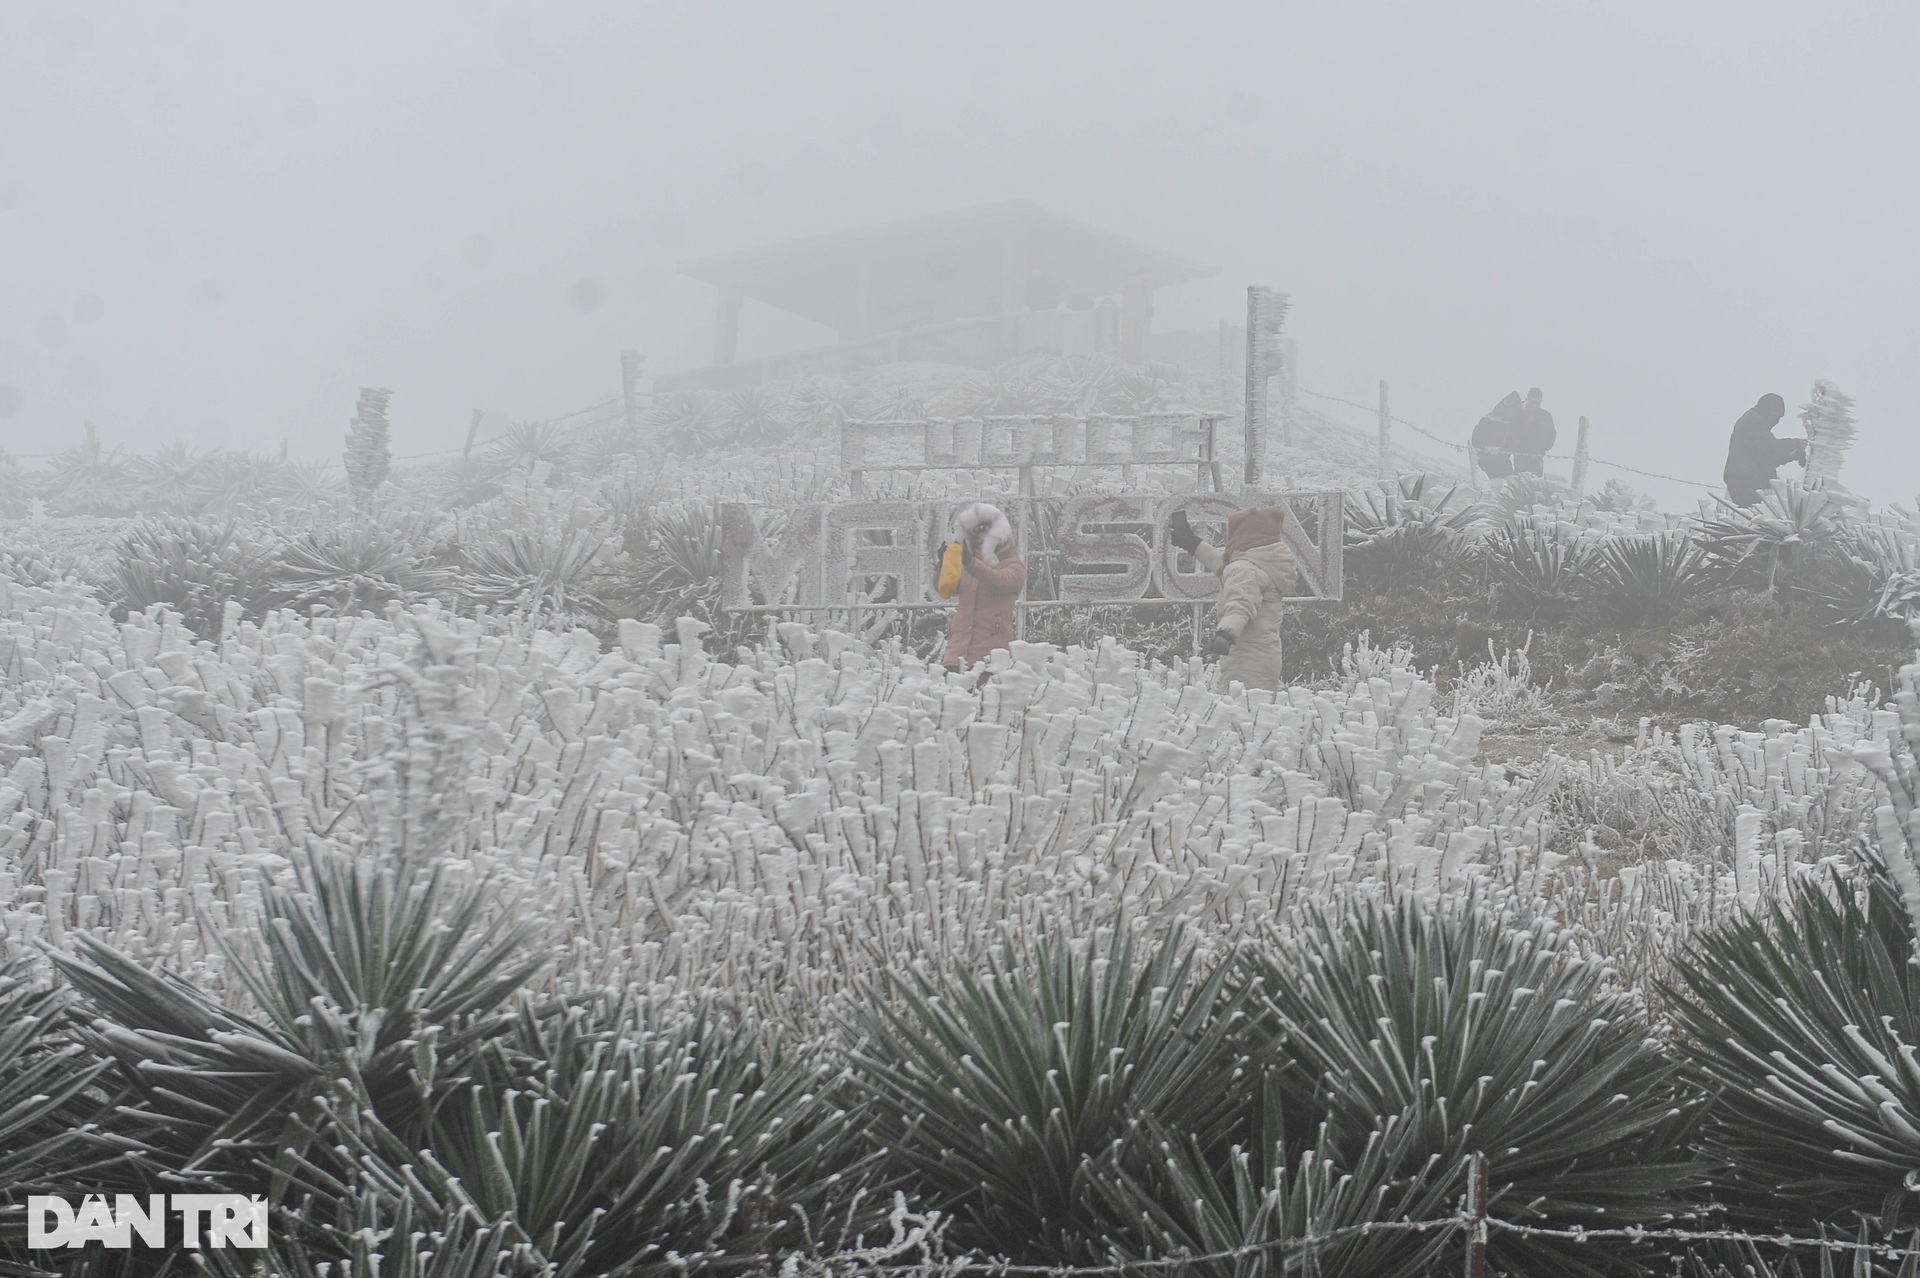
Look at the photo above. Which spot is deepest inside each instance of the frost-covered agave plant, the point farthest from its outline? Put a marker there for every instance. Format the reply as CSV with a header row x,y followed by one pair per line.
x,y
1541,568
372,986
1477,1030
1803,1019
1414,529
87,481
173,480
687,425
547,573
195,567
1525,492
56,1129
625,1140
524,448
1003,1096
361,565
683,562
756,418
1644,579
304,485
1771,545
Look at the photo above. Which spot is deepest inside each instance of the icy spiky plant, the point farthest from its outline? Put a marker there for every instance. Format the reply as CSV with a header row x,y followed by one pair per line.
x,y
1481,1031
687,425
1828,418
1804,1019
369,453
1003,1095
1413,529
173,480
1541,568
49,1105
1644,579
87,480
195,567
525,448
546,573
1770,546
362,565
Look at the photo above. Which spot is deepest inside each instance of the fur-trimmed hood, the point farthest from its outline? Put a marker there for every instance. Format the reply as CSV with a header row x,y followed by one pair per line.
x,y
999,538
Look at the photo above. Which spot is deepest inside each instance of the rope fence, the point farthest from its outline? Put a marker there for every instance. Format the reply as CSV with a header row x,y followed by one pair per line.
x,y
1462,448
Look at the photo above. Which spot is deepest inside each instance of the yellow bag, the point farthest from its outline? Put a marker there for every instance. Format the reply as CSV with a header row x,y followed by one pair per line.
x,y
950,565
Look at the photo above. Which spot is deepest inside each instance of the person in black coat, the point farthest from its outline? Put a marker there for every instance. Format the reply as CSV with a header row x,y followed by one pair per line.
x,y
1533,438
1753,454
1493,438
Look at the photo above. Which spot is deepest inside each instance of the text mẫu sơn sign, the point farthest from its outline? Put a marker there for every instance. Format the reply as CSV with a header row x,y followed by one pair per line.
x,y
1110,548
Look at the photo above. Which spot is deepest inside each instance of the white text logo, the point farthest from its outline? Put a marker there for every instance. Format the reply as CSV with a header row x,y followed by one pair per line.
x,y
226,1220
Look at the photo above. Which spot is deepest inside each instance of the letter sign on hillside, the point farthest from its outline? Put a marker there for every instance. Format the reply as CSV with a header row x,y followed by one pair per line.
x,y
1106,549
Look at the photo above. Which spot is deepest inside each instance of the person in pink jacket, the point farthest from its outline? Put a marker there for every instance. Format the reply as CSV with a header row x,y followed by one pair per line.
x,y
991,579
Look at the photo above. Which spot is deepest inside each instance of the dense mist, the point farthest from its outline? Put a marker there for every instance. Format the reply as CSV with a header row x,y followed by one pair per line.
x,y
217,222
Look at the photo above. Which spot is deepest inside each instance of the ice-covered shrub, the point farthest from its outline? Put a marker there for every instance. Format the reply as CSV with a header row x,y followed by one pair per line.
x,y
361,564
1413,530
546,573
1541,568
1803,1019
87,480
1502,693
54,1122
372,987
1476,1030
1770,546
1004,1095
1644,579
525,450
687,425
195,567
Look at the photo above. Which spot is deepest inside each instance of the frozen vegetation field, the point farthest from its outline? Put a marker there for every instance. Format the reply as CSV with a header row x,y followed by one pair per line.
x,y
437,860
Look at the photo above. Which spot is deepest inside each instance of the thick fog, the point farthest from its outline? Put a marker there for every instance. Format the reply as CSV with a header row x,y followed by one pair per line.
x,y
217,222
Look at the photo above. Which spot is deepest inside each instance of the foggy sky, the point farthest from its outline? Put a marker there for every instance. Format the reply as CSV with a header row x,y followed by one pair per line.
x,y
217,223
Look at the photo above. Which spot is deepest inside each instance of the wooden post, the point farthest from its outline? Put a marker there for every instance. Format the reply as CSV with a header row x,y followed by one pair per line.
x,y
630,365
1386,435
473,433
726,325
1226,362
1477,1216
1580,461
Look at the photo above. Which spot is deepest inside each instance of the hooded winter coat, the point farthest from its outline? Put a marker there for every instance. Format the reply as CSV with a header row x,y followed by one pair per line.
x,y
990,586
1754,454
1257,571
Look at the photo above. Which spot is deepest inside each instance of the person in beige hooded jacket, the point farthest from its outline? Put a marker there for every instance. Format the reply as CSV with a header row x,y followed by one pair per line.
x,y
1257,571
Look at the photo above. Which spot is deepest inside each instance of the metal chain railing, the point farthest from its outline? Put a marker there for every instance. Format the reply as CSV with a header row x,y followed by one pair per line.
x,y
1477,1228
1462,448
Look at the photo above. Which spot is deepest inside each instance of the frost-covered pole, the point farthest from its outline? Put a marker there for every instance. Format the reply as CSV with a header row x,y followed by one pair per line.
x,y
1386,434
1828,418
1266,312
1579,482
473,433
369,455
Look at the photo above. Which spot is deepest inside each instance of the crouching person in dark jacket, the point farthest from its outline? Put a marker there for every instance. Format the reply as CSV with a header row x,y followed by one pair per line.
x,y
1753,454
